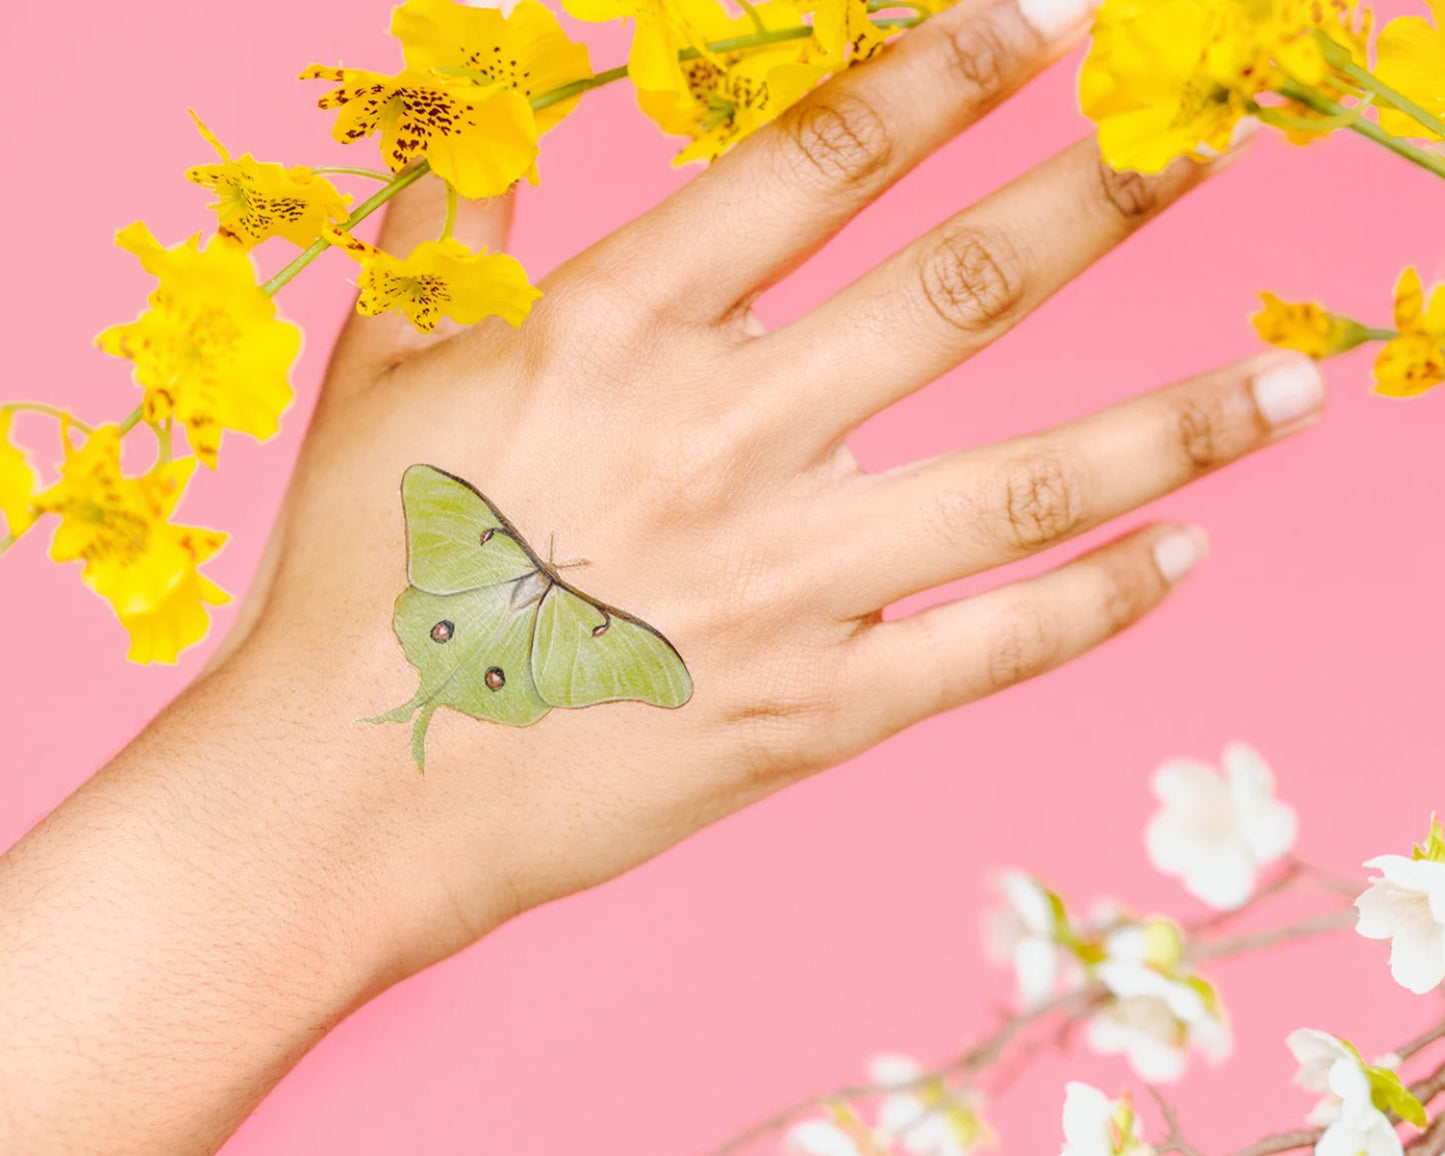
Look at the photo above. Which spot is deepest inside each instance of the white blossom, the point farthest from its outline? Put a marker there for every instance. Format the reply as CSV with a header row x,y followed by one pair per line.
x,y
820,1138
1158,1012
1024,933
1353,1125
1215,831
1095,1125
1407,906
915,1116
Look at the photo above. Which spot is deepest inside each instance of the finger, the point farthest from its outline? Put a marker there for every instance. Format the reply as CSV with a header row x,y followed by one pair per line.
x,y
785,190
904,671
966,512
963,284
418,213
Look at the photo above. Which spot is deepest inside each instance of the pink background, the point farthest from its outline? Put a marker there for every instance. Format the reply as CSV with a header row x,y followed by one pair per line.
x,y
770,956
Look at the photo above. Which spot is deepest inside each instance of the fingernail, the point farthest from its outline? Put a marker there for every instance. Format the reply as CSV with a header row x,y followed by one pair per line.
x,y
1243,132
1286,392
1051,19
1179,551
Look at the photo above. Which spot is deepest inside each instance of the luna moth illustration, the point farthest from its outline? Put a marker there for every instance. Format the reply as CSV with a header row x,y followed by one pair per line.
x,y
495,632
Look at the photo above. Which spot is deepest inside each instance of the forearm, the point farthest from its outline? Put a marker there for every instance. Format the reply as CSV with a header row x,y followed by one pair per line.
x,y
179,932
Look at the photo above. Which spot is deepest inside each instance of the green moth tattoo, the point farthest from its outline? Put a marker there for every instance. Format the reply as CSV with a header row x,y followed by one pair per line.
x,y
495,632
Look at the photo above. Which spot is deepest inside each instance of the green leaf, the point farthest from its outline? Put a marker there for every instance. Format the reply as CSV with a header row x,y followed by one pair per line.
x,y
1434,848
1389,1094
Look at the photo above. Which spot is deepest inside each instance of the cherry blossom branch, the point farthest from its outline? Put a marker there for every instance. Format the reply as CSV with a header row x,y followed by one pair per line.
x,y
1421,1042
980,1055
1173,1139
1309,928
1282,1142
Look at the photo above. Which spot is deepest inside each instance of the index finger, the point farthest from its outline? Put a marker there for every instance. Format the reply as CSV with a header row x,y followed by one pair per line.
x,y
785,190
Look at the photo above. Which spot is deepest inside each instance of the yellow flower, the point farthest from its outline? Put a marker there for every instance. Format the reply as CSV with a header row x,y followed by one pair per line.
x,y
481,138
135,558
732,95
209,351
1349,26
258,200
1307,327
1411,60
1171,78
526,50
844,32
661,29
439,277
1414,361
18,482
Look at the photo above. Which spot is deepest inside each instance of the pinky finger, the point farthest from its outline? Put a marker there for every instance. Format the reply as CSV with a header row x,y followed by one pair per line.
x,y
966,650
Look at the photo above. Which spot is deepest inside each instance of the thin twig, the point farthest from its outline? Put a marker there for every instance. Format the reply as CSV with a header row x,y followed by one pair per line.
x,y
1290,872
1174,1139
1421,1042
1289,933
1282,1142
1430,1142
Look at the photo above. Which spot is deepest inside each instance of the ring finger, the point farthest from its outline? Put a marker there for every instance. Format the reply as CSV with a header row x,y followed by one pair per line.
x,y
965,512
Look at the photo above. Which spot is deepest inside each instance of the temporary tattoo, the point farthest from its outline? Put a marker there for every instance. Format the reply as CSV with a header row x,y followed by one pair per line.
x,y
496,634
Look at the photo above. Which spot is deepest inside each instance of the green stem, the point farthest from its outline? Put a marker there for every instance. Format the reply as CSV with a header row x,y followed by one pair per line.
x,y
132,420
451,221
352,171
1381,334
40,407
163,443
577,88
362,211
1341,59
753,15
6,542
1313,99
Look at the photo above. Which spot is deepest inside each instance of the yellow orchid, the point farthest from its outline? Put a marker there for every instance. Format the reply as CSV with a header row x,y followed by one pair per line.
x,y
18,482
258,200
135,558
732,95
1411,60
1171,78
439,278
526,50
661,29
844,31
1307,327
480,138
1414,361
209,351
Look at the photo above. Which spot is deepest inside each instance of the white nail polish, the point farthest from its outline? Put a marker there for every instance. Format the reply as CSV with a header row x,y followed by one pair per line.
x,y
1289,391
1052,19
1179,552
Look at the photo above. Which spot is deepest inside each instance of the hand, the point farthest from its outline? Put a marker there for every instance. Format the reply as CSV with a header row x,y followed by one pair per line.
x,y
643,417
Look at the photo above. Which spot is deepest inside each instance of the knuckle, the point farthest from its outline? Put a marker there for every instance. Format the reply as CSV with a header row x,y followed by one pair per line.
x,y
978,55
841,141
972,279
1128,591
1042,504
1023,647
1199,428
780,720
1132,195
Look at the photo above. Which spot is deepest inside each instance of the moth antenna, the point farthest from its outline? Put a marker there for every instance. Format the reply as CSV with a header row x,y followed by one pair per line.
x,y
573,564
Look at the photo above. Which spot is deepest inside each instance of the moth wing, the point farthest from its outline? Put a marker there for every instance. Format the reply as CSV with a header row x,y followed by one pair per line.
x,y
583,653
455,539
473,651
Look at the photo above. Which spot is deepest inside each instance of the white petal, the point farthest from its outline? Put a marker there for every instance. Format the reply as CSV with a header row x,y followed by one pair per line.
x,y
1224,880
1087,1112
820,1138
1316,1052
1169,841
899,1112
1350,1085
1417,956
1340,1139
1384,908
1250,779
1188,784
890,1069
1382,1139
1402,871
1268,829
1029,899
1149,1056
1036,964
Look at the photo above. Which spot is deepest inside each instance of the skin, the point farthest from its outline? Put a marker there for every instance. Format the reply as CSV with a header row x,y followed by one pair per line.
x,y
254,866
